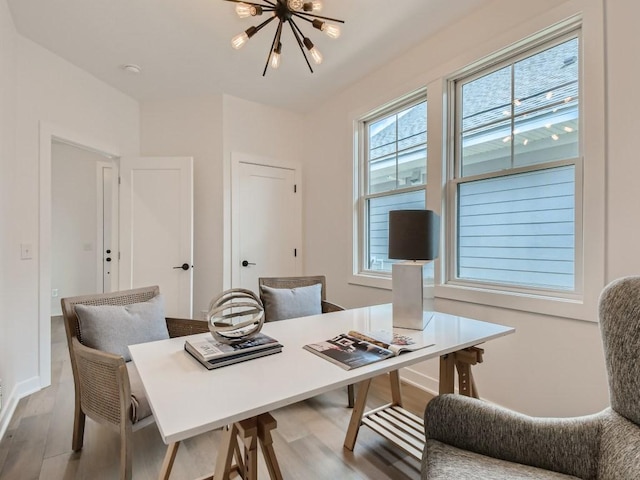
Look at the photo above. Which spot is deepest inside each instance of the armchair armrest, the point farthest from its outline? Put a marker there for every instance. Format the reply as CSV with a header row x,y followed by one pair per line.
x,y
328,307
565,445
179,327
102,385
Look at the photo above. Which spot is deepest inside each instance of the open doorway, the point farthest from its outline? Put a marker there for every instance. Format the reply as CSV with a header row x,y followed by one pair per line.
x,y
83,222
50,133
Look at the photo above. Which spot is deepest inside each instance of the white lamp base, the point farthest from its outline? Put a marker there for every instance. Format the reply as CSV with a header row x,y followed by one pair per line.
x,y
407,296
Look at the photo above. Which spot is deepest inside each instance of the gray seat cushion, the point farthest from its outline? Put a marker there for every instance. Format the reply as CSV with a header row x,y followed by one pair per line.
x,y
139,403
447,462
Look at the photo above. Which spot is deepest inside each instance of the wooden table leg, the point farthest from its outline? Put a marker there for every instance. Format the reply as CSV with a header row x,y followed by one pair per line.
x,y
266,423
225,453
464,360
396,389
169,459
447,373
248,432
356,414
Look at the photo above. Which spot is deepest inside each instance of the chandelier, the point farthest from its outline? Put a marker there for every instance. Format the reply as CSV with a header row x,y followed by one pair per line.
x,y
286,11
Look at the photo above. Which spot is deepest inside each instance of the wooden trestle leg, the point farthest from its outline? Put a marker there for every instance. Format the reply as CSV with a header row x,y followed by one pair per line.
x,y
462,361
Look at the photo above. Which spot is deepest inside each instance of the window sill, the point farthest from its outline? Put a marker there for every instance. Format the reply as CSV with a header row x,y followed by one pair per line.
x,y
572,308
372,281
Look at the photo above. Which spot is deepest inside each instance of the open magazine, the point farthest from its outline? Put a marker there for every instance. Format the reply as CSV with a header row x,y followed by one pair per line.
x,y
391,341
356,349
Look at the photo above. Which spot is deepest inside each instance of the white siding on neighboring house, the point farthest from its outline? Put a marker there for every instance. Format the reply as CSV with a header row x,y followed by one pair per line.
x,y
519,229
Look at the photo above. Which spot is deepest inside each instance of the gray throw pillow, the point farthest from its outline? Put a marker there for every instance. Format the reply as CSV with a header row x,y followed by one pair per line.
x,y
283,303
111,328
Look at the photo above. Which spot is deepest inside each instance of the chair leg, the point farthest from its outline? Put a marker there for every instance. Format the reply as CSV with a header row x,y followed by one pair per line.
x,y
350,395
126,454
78,429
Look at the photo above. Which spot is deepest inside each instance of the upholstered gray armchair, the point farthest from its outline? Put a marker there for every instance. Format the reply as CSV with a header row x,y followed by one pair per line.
x,y
470,439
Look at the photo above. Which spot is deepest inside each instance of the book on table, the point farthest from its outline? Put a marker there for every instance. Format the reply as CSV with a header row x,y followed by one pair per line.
x,y
355,349
214,354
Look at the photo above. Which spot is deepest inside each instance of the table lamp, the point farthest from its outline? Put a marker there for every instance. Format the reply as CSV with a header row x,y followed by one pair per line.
x,y
413,236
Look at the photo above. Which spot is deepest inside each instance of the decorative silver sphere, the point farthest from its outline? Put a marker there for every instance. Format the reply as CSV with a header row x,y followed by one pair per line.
x,y
235,315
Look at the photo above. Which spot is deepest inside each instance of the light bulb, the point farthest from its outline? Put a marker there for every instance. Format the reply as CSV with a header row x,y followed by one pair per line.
x,y
316,55
275,60
275,56
332,31
316,5
295,4
243,10
239,40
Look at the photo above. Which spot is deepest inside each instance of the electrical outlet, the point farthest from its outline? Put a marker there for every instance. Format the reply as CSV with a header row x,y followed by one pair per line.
x,y
54,292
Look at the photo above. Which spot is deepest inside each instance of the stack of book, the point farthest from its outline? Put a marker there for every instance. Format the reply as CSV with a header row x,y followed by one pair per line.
x,y
213,354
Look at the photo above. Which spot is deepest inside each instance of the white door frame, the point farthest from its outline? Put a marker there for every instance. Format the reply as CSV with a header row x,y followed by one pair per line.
x,y
230,180
49,132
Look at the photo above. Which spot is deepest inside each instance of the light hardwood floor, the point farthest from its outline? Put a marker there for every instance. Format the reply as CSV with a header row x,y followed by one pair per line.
x,y
308,440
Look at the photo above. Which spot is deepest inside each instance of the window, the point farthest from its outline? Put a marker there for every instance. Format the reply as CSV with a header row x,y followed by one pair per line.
x,y
393,176
516,182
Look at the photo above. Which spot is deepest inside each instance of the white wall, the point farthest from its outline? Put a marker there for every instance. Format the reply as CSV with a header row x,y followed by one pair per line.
x,y
551,366
210,129
73,223
623,168
50,90
259,131
9,328
193,127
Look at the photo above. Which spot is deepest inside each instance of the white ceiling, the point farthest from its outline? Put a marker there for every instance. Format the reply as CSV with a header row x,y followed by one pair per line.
x,y
184,46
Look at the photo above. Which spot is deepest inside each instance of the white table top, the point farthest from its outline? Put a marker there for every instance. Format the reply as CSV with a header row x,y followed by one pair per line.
x,y
187,399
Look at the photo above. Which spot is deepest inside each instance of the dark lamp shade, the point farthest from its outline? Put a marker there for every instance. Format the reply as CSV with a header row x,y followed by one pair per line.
x,y
413,234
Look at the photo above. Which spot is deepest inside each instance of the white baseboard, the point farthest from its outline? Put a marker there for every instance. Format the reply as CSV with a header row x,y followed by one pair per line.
x,y
10,403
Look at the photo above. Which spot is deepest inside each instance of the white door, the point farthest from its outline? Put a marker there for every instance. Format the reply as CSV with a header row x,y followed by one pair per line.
x,y
156,228
266,223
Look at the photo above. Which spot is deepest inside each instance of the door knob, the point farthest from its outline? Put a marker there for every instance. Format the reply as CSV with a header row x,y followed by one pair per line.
x,y
184,266
246,263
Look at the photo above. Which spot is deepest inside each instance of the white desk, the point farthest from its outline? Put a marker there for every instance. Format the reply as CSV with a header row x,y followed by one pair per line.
x,y
187,399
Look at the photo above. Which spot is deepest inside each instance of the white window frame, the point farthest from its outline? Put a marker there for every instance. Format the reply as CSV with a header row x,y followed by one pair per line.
x,y
361,274
581,303
458,178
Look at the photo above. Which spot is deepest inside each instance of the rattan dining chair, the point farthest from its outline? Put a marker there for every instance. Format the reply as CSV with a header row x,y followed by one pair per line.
x,y
297,282
108,389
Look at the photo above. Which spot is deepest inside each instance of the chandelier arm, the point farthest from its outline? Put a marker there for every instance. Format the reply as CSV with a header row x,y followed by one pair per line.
x,y
256,4
264,24
295,34
295,25
276,39
300,15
